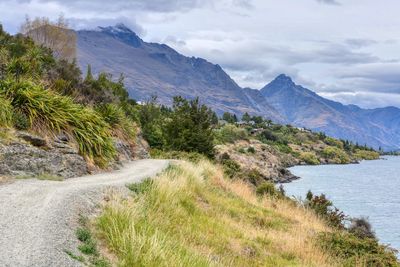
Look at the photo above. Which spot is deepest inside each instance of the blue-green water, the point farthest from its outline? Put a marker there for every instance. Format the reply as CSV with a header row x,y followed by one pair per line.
x,y
370,189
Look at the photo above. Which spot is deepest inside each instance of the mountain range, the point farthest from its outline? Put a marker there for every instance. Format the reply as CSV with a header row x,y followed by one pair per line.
x,y
153,69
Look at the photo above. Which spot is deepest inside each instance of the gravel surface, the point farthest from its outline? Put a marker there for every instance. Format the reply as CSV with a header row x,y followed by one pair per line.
x,y
38,219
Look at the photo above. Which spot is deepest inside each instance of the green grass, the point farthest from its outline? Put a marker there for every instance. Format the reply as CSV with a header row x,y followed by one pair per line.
x,y
6,113
191,216
48,111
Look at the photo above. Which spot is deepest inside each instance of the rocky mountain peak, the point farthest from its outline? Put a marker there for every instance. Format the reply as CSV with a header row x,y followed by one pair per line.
x,y
283,80
122,32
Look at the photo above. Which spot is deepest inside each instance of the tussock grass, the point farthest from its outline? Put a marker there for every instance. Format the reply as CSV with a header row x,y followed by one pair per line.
x,y
121,125
6,114
48,111
192,216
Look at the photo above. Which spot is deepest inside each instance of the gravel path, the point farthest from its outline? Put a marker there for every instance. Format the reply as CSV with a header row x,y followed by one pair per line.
x,y
38,218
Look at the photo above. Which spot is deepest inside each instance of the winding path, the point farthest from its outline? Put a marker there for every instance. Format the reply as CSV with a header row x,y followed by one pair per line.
x,y
38,218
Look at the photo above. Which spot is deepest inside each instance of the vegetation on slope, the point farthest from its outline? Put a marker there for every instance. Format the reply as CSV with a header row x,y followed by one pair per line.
x,y
191,215
47,96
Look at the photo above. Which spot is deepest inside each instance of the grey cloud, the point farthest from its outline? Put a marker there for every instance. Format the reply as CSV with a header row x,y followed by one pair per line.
x,y
359,43
134,5
329,2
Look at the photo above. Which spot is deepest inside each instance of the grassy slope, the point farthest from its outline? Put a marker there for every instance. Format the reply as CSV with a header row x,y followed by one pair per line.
x,y
192,216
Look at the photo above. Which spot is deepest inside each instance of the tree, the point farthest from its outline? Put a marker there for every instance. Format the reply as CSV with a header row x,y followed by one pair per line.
x,y
189,127
53,35
246,117
231,118
89,75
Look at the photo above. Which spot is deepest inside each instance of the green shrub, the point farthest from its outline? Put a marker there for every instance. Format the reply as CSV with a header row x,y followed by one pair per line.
x,y
334,142
231,167
366,155
336,154
230,133
324,208
358,252
253,176
309,158
6,113
267,188
361,228
48,111
251,150
117,119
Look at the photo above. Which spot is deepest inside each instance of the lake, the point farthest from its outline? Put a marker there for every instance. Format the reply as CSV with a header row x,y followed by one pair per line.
x,y
370,189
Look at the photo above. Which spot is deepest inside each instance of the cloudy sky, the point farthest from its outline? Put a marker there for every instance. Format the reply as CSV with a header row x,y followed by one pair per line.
x,y
347,50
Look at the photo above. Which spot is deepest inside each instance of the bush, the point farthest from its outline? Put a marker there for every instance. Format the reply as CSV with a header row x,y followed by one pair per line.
x,y
361,228
230,133
336,154
366,155
324,208
48,111
267,188
309,158
119,122
231,167
358,252
253,176
251,150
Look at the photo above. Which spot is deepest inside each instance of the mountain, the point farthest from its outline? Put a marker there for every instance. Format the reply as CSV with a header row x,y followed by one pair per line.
x,y
302,107
156,69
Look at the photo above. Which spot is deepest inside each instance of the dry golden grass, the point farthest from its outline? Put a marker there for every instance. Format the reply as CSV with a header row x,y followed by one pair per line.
x,y
192,216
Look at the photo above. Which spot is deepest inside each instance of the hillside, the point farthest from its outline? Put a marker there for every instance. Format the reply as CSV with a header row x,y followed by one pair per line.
x,y
156,69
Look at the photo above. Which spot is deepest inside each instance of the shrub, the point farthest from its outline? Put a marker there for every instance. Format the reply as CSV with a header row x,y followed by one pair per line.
x,y
253,176
48,111
365,154
6,113
358,252
230,133
336,154
119,122
231,167
361,228
267,188
324,208
251,150
309,158
334,142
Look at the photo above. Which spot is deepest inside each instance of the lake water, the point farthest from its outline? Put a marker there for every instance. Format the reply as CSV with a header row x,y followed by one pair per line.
x,y
370,189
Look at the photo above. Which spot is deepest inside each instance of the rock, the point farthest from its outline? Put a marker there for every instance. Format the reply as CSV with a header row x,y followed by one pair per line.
x,y
269,162
35,159
32,139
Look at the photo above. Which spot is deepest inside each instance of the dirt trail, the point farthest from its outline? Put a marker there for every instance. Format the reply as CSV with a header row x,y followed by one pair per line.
x,y
38,218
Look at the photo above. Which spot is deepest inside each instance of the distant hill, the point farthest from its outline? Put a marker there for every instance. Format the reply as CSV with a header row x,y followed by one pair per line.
x,y
301,106
157,69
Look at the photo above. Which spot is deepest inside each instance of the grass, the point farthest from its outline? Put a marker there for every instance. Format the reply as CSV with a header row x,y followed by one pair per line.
x,y
6,113
192,216
88,247
48,111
